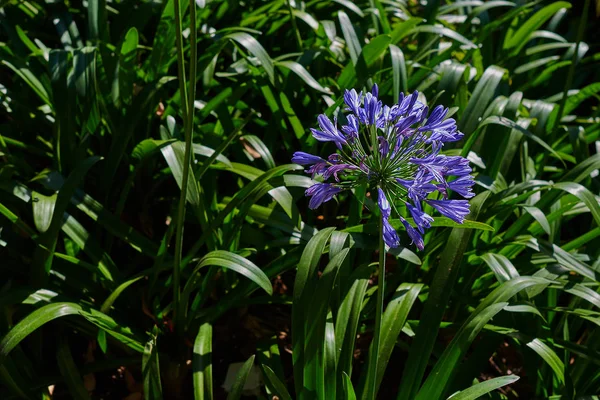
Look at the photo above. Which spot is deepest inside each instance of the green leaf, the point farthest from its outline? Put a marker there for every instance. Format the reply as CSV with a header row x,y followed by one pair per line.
x,y
352,42
573,101
400,76
348,388
500,266
494,119
520,38
97,23
151,368
280,389
550,357
404,28
43,209
64,104
174,155
29,77
233,262
583,194
44,252
478,390
358,74
539,216
348,318
254,47
371,228
318,295
259,147
435,385
482,95
327,362
299,70
443,31
445,277
33,321
70,371
123,87
393,321
240,380
106,306
306,270
202,363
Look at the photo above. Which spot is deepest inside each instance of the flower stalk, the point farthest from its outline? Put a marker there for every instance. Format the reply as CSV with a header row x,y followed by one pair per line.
x,y
396,150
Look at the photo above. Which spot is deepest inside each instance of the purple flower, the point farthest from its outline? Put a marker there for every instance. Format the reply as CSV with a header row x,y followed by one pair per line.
x,y
353,100
456,210
321,193
372,107
384,146
335,169
329,132
351,130
463,186
303,158
390,236
441,130
405,163
416,238
457,165
419,188
422,219
385,117
383,203
317,169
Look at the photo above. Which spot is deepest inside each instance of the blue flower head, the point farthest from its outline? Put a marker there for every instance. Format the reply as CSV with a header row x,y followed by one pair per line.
x,y
396,149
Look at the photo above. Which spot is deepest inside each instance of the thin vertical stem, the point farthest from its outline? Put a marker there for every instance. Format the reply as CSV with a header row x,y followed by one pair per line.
x,y
571,74
183,194
568,82
374,356
295,26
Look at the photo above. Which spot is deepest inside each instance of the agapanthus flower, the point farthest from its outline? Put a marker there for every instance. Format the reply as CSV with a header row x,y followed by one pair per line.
x,y
396,149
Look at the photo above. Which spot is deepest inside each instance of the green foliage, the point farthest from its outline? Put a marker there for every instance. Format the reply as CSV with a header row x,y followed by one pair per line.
x,y
115,232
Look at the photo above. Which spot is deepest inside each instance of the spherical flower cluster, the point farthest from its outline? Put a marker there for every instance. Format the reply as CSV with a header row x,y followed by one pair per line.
x,y
397,149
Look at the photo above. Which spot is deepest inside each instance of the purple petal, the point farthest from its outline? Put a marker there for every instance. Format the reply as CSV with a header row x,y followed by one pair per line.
x,y
321,193
303,158
416,238
422,219
390,236
456,210
383,203
463,186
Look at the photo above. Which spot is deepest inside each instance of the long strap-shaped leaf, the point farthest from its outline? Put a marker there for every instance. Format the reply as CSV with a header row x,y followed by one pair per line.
x,y
443,371
45,251
202,363
393,320
318,295
306,267
478,390
231,261
240,380
441,288
50,312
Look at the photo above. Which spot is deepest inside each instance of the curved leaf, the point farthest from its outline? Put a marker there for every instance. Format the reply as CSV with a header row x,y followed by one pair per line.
x,y
254,47
240,380
476,391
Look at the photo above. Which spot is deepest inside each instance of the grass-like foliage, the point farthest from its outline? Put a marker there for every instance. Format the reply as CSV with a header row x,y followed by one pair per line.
x,y
154,230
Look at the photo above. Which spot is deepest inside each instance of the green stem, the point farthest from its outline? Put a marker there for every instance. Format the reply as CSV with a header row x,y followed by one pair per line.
x,y
183,195
295,26
374,356
571,74
568,84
